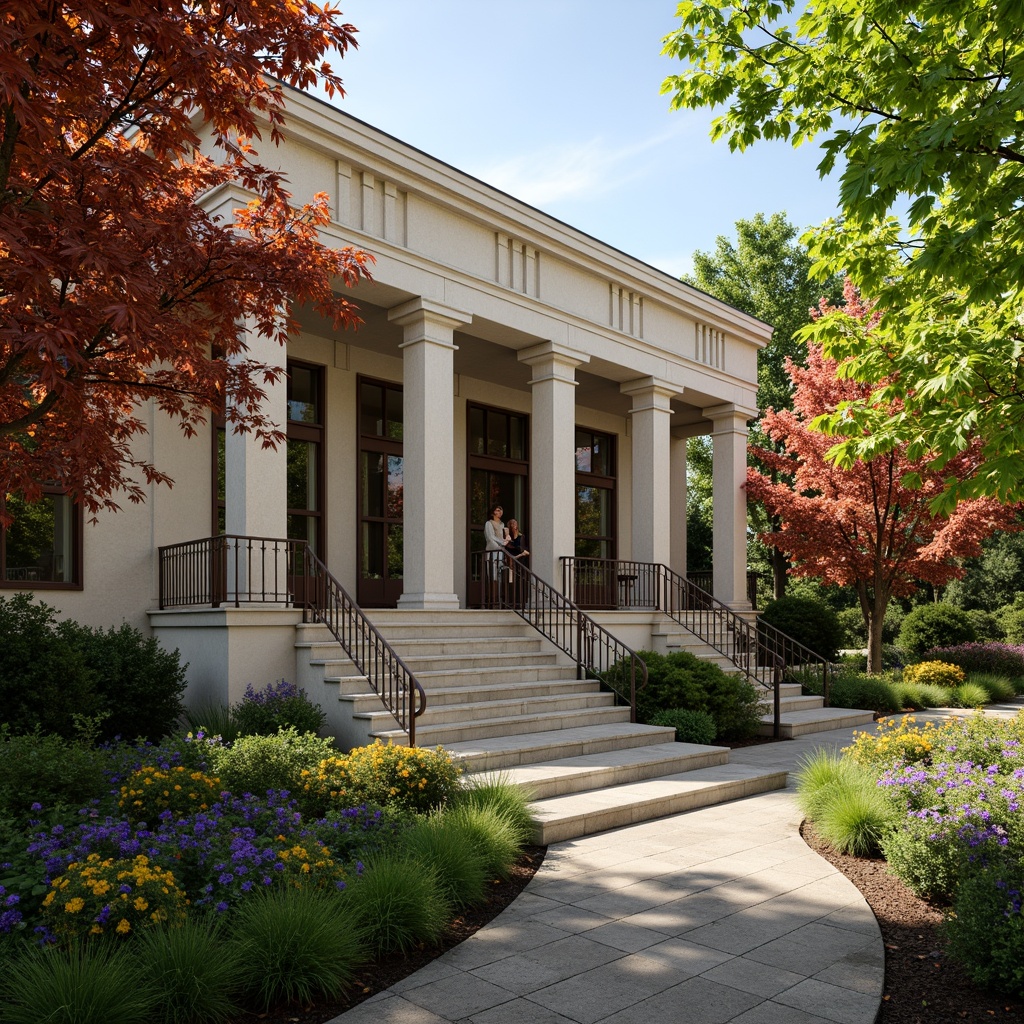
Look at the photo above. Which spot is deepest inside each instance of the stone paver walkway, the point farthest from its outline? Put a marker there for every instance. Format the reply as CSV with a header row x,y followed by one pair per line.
x,y
715,915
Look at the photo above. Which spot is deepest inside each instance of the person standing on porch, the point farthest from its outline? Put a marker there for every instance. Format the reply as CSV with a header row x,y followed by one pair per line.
x,y
495,541
516,548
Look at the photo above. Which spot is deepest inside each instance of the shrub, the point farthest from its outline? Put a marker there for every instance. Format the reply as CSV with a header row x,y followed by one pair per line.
x,y
934,625
112,897
1002,659
894,742
873,693
925,854
811,623
150,791
212,719
277,706
411,777
256,764
911,696
690,726
399,904
680,680
193,971
444,849
47,770
44,680
83,983
140,684
295,945
855,630
1011,621
986,929
934,673
968,695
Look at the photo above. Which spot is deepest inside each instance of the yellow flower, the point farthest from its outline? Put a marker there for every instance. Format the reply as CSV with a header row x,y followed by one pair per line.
x,y
123,927
140,903
74,905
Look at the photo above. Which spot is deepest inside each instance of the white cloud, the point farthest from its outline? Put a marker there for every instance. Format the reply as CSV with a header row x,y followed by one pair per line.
x,y
571,170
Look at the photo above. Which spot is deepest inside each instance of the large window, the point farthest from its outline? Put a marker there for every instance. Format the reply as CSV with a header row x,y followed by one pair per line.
x,y
306,455
42,547
381,492
595,495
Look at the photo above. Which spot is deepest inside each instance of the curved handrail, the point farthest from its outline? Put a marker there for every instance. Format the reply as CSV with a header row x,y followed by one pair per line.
x,y
597,652
327,601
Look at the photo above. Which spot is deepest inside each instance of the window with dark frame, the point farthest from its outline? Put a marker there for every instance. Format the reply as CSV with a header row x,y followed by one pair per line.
x,y
305,456
42,548
595,494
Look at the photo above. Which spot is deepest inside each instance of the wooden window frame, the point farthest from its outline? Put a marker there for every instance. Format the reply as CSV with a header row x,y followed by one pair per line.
x,y
77,560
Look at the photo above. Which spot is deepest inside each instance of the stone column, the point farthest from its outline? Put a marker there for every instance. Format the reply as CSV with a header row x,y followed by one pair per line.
x,y
428,354
677,501
552,527
651,413
255,478
729,497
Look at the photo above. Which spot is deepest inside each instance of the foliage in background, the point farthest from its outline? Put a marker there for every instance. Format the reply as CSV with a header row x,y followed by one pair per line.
x,y
999,659
765,273
933,625
869,526
811,623
921,116
934,673
279,705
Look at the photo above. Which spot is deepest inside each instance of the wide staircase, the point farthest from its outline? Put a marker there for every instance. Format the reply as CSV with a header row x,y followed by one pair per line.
x,y
505,700
799,713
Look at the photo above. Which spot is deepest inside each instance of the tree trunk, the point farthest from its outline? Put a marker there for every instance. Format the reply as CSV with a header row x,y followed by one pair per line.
x,y
780,575
875,623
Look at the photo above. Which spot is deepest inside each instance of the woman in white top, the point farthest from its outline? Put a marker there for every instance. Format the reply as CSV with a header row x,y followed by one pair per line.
x,y
495,538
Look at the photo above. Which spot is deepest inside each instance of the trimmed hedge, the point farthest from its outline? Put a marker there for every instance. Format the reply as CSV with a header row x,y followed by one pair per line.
x,y
808,622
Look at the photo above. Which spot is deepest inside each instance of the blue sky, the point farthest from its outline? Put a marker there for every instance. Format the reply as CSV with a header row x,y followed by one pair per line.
x,y
557,102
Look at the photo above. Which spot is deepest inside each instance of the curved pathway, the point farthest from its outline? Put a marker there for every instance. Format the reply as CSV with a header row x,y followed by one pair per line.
x,y
720,914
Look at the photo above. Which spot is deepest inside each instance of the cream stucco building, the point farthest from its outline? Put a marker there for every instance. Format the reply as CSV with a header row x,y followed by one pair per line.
x,y
505,356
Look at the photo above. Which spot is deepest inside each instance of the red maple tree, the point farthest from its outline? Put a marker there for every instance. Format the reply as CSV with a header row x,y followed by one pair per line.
x,y
862,527
122,124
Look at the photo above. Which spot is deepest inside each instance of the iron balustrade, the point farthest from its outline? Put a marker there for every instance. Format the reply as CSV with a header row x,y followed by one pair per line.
x,y
327,601
703,578
232,569
509,584
763,653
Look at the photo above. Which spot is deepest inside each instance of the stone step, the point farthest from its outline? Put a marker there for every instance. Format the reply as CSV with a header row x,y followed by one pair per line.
x,y
428,735
420,664
444,695
499,753
478,710
582,814
799,723
510,674
448,645
609,768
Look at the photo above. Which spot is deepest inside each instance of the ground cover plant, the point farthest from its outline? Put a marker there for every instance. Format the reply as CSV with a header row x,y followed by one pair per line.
x,y
138,879
945,813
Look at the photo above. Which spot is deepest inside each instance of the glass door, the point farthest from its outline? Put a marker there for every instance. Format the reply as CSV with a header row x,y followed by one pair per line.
x,y
381,492
498,475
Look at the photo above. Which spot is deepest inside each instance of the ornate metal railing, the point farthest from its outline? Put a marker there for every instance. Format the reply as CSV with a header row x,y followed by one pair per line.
x,y
508,583
763,653
703,578
262,570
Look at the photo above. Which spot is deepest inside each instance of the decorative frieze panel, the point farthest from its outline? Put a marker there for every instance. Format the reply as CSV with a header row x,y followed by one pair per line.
x,y
371,204
709,346
626,311
516,265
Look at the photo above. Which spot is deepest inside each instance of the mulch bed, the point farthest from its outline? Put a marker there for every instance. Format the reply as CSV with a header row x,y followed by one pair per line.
x,y
922,986
382,973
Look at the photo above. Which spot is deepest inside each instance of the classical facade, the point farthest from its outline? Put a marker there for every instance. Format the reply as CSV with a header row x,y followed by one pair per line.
x,y
504,357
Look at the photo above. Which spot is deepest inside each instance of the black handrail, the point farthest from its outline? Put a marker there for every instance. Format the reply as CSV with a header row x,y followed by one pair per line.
x,y
508,583
232,569
762,652
327,601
